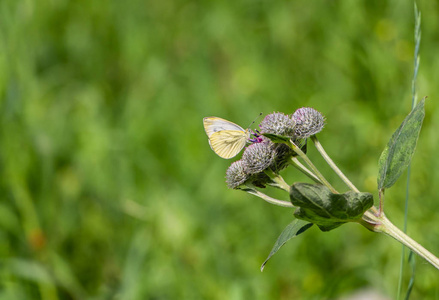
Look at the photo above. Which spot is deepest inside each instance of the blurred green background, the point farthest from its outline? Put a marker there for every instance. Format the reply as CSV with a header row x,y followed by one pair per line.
x,y
109,189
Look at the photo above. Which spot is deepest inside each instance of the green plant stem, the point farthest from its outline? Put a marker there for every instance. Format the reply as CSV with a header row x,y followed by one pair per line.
x,y
278,180
370,217
414,100
252,190
296,163
373,211
311,165
381,198
382,225
332,164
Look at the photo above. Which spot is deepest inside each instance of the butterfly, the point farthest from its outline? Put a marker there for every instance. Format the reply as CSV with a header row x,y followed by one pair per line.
x,y
225,138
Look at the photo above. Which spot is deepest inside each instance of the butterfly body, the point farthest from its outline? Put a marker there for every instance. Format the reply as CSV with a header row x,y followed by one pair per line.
x,y
225,138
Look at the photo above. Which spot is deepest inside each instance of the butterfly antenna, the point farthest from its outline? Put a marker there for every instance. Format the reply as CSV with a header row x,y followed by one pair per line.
x,y
254,120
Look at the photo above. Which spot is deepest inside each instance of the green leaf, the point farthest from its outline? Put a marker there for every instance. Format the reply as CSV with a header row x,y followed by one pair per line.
x,y
325,224
318,205
279,139
276,138
399,150
292,230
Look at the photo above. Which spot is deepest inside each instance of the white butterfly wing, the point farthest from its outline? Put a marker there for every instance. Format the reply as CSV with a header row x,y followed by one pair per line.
x,y
228,143
215,124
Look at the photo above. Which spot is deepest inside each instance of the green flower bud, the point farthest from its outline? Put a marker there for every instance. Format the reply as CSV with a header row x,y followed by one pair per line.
x,y
259,180
283,153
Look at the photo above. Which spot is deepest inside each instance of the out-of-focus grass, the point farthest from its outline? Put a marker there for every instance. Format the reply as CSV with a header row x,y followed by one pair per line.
x,y
109,189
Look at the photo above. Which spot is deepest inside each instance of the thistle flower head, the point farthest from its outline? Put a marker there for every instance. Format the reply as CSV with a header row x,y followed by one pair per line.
x,y
258,157
236,174
279,124
308,122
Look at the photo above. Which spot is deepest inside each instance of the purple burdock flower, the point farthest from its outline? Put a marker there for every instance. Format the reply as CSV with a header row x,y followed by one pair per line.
x,y
258,156
278,124
237,174
257,137
308,122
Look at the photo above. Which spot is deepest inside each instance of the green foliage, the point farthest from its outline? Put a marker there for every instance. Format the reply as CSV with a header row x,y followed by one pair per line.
x,y
276,138
398,153
318,205
292,230
109,189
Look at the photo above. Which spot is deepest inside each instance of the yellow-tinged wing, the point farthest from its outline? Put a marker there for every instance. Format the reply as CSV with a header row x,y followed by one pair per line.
x,y
225,138
215,124
228,143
